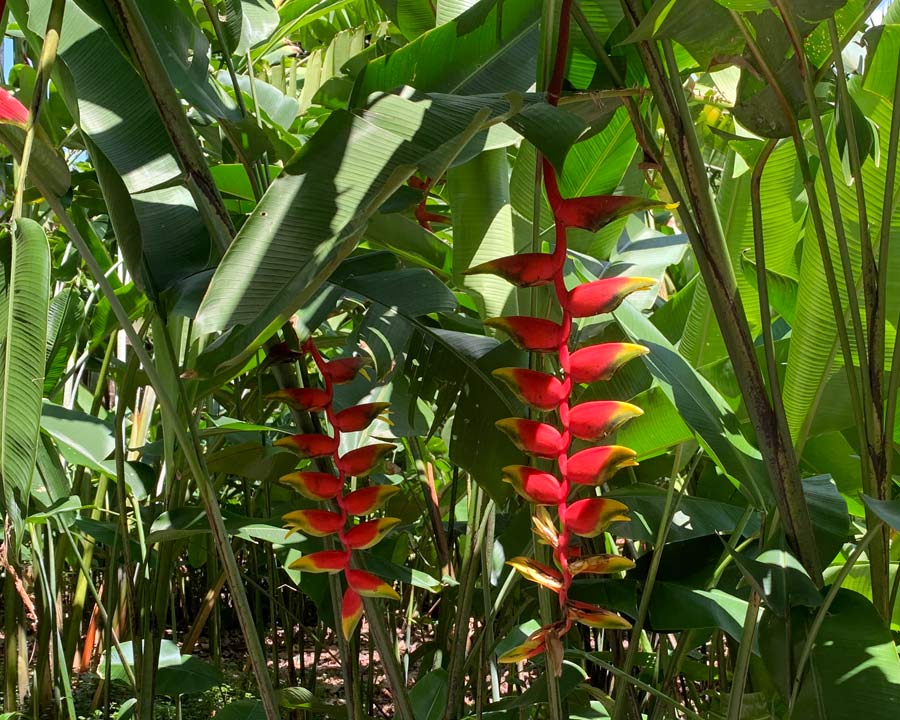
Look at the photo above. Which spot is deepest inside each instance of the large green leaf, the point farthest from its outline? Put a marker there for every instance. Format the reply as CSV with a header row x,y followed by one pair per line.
x,y
157,224
429,695
482,228
315,211
24,297
678,607
814,332
700,405
64,321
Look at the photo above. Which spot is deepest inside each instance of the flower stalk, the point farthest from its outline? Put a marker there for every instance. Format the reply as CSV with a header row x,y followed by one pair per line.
x,y
547,393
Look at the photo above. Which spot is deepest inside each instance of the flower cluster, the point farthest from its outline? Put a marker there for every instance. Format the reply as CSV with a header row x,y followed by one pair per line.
x,y
552,393
329,487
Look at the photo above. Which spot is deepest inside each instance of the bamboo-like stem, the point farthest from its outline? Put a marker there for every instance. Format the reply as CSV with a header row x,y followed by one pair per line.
x,y
742,663
186,438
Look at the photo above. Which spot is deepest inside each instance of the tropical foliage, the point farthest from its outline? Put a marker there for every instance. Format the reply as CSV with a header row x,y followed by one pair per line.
x,y
311,304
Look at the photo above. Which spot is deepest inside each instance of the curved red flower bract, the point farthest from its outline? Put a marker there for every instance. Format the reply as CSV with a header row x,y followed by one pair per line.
x,y
595,420
368,499
344,370
600,565
369,533
534,645
591,516
603,296
523,270
594,212
324,561
369,585
362,461
600,362
359,417
529,333
596,465
313,485
11,110
304,399
351,612
539,390
596,617
310,445
536,486
318,523
532,437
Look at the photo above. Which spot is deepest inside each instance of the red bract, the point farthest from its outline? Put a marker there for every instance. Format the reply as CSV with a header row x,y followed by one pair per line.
x,y
318,523
590,517
369,585
596,465
596,617
595,211
600,565
309,446
305,399
540,390
600,362
362,461
536,486
359,417
533,437
595,420
368,499
351,612
344,370
603,296
314,485
524,270
11,110
368,534
325,561
529,333
534,645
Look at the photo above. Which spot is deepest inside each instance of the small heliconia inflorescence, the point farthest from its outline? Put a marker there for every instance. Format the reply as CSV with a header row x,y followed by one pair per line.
x,y
552,393
345,523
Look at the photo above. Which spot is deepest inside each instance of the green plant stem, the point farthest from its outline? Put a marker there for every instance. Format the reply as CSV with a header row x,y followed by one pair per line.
x,y
822,612
647,591
195,462
742,663
708,241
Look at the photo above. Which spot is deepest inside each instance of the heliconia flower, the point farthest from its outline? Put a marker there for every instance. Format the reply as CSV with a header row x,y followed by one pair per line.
x,y
532,437
351,612
600,564
312,445
544,527
524,270
595,420
539,390
359,417
529,333
537,572
318,523
305,399
368,499
313,485
369,585
362,461
534,645
596,465
600,362
343,370
591,516
11,110
595,211
324,561
596,617
604,295
368,534
536,486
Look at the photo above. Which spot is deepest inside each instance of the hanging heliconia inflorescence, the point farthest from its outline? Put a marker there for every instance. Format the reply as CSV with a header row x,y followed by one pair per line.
x,y
549,393
329,487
